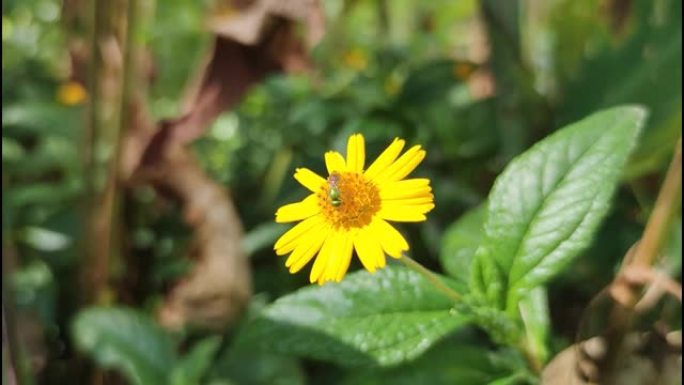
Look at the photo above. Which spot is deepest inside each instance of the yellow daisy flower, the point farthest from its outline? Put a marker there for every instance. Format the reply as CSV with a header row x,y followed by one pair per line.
x,y
349,210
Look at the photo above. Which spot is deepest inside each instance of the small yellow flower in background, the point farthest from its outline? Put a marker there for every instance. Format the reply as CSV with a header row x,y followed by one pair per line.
x,y
71,93
349,210
355,59
462,71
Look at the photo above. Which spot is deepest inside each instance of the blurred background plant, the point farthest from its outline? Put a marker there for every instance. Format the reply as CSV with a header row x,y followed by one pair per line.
x,y
475,82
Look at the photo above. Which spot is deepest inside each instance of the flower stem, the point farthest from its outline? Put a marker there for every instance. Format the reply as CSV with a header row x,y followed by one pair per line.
x,y
430,276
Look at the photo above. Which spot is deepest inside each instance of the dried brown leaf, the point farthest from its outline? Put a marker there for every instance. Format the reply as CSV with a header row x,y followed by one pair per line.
x,y
249,22
253,39
219,286
634,369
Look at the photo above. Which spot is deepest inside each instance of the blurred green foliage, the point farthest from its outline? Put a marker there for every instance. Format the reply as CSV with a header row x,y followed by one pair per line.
x,y
386,69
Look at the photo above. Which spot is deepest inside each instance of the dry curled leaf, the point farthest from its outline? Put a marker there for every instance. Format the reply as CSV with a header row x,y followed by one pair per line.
x,y
247,22
637,368
219,286
226,77
236,63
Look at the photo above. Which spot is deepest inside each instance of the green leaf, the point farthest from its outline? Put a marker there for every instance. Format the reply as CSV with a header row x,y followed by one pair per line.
x,y
547,204
40,118
192,366
41,194
126,340
384,318
449,362
460,242
12,151
44,239
517,378
245,366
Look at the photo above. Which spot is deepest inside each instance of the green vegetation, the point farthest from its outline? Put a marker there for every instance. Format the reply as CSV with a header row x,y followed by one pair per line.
x,y
549,128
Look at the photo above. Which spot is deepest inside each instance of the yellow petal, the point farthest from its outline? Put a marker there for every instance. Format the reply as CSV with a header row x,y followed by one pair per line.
x,y
404,213
334,162
356,153
342,258
306,249
288,241
402,166
385,159
309,179
368,249
390,239
298,211
416,201
408,188
335,258
321,263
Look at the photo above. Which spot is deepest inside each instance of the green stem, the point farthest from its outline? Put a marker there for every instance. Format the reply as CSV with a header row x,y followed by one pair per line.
x,y
430,276
531,357
665,207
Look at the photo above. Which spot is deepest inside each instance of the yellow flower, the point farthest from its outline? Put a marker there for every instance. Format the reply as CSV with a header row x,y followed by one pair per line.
x,y
71,93
350,209
355,59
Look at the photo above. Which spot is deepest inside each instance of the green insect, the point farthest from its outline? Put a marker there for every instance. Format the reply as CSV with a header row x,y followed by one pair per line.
x,y
333,190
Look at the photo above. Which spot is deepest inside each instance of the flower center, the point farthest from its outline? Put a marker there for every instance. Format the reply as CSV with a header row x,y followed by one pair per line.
x,y
348,200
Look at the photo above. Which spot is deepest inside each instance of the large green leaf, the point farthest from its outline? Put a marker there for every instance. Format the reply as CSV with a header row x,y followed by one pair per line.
x,y
123,339
384,318
450,362
546,206
460,242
